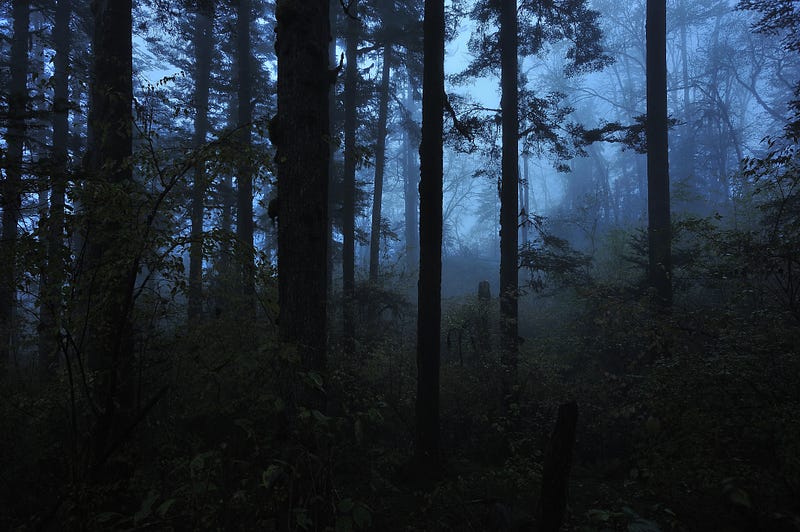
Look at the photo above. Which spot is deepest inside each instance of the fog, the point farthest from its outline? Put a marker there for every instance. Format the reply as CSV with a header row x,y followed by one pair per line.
x,y
220,299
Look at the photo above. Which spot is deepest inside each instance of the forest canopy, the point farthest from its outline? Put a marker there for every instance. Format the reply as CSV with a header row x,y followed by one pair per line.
x,y
400,265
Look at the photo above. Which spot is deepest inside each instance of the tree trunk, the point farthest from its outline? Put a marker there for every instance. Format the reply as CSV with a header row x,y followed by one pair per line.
x,y
411,188
430,234
244,171
658,204
380,164
54,274
111,229
203,49
12,186
555,471
301,138
525,200
349,184
332,60
509,202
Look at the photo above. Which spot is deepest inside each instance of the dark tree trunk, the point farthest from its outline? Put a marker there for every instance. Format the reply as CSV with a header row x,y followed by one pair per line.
x,y
509,201
301,137
203,40
53,276
12,185
349,184
524,201
430,236
244,171
380,164
332,59
658,204
556,468
111,230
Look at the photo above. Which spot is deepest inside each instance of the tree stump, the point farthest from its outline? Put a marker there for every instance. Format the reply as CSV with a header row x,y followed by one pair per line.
x,y
555,473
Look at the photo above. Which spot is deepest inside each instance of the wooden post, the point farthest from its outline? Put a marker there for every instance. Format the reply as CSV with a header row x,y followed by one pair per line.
x,y
555,474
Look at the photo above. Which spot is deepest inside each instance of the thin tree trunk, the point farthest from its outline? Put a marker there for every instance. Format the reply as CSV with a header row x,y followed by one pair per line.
x,y
380,164
332,145
54,274
411,190
430,234
203,48
12,186
244,178
509,201
658,203
525,200
349,185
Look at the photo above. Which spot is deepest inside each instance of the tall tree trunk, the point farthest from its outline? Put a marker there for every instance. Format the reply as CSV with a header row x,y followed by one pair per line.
x,y
12,186
525,200
111,230
658,204
203,39
688,142
380,164
411,187
430,235
332,145
301,137
509,202
244,178
54,273
349,184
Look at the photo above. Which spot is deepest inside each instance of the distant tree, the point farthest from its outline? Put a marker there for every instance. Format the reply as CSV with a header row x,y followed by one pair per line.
x,y
244,171
411,174
203,44
380,160
430,231
658,204
12,184
524,31
53,276
300,133
352,35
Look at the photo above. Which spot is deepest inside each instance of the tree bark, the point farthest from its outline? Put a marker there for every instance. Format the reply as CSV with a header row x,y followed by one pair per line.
x,y
380,164
12,186
509,192
411,189
555,472
53,276
658,201
203,40
430,234
111,229
301,136
349,184
244,171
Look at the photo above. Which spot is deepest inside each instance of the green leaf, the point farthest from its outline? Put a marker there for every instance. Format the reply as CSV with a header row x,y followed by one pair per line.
x,y
271,475
147,507
316,380
302,519
164,507
345,506
344,524
362,515
107,517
